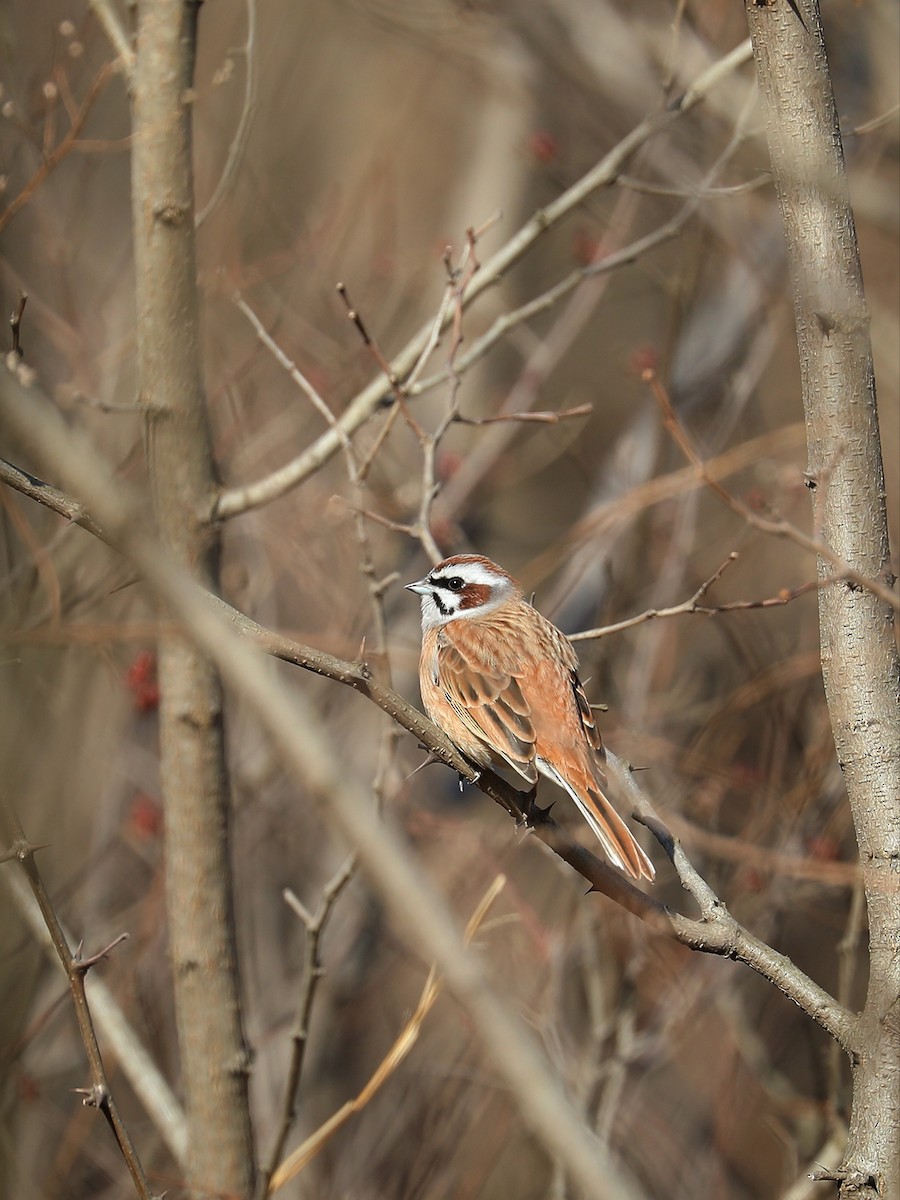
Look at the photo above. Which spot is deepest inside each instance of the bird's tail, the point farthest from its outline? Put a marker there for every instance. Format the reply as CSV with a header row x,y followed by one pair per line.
x,y
615,837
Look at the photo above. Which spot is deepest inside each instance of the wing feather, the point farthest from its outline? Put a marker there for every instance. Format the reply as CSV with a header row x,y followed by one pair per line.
x,y
585,712
487,698
487,671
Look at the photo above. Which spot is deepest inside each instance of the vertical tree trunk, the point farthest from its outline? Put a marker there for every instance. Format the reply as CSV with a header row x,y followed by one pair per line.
x,y
214,1058
859,655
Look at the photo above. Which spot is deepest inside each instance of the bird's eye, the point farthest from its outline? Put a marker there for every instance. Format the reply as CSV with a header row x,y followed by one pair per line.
x,y
455,584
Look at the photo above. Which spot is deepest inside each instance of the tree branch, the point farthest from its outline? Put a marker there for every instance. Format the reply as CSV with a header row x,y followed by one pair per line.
x,y
138,1067
314,927
99,1095
233,501
717,932
775,525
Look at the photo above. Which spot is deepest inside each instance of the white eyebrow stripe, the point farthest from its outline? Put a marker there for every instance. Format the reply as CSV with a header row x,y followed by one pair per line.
x,y
469,572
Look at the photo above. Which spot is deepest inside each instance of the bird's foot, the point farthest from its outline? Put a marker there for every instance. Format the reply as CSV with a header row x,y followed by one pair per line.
x,y
465,782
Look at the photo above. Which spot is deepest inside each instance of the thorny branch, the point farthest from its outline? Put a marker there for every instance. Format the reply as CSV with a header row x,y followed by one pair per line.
x,y
402,1045
99,1094
314,925
715,932
775,525
693,605
119,1036
236,500
300,737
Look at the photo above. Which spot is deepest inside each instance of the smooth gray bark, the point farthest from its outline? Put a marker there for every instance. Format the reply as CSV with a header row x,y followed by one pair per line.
x,y
859,654
214,1058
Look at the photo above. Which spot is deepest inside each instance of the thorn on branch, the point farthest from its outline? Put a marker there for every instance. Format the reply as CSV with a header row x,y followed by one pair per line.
x,y
531,814
430,758
21,850
96,1096
826,1174
83,965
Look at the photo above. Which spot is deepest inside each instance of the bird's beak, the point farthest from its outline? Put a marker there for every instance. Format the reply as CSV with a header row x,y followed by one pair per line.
x,y
421,587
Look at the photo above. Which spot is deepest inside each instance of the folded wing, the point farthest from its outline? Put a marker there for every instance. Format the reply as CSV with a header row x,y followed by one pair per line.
x,y
489,702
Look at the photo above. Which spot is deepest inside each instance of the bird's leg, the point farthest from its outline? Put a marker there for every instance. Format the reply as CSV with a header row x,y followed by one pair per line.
x,y
465,781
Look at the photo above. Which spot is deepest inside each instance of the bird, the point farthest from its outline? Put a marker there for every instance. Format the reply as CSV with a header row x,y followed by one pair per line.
x,y
502,683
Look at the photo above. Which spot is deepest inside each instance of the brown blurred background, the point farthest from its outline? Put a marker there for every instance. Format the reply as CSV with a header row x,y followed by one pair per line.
x,y
378,132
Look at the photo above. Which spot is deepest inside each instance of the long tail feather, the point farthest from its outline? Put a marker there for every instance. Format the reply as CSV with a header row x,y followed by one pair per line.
x,y
615,837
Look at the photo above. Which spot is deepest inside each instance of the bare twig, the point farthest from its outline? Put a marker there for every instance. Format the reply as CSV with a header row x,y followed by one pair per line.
x,y
687,606
552,295
50,161
291,367
700,192
831,1151
590,282
607,516
403,1044
40,556
398,391
314,926
459,279
693,605
99,1095
139,1068
242,133
367,402
536,418
777,526
876,122
763,859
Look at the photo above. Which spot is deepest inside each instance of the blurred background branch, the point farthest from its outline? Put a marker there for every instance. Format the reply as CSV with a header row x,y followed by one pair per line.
x,y
434,157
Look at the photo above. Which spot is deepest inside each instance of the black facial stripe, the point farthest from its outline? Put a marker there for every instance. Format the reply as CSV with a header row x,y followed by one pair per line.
x,y
451,583
441,607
